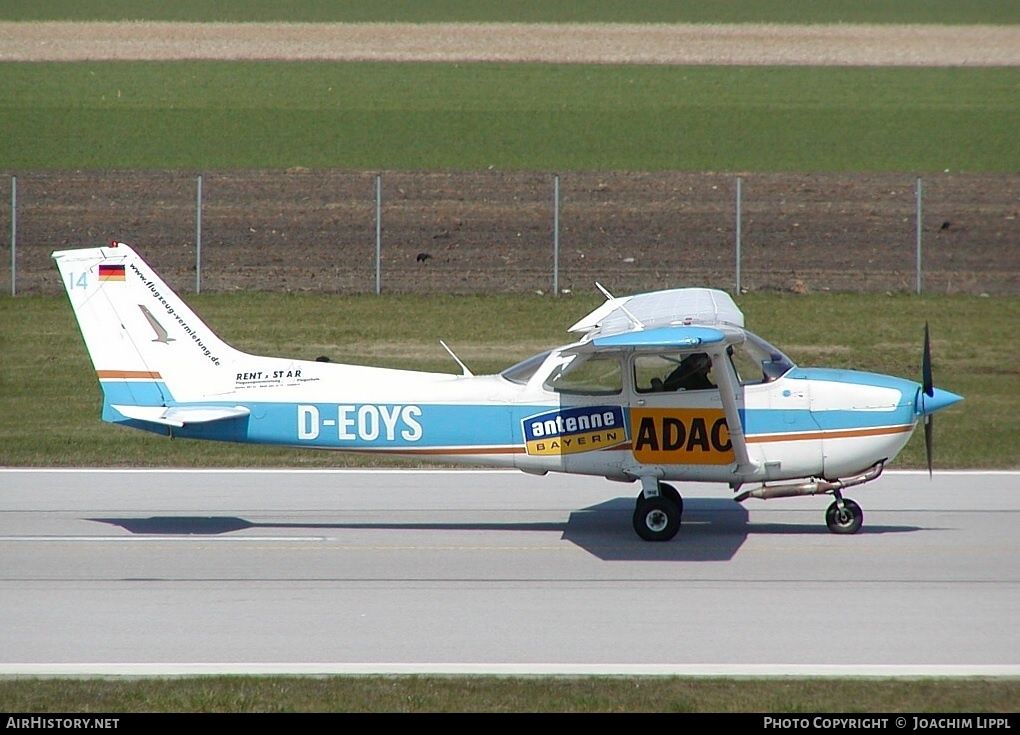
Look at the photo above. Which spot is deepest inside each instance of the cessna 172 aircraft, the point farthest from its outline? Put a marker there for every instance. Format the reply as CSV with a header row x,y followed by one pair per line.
x,y
659,386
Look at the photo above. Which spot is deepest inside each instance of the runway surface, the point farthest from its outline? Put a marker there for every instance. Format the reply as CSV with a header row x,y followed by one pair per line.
x,y
176,572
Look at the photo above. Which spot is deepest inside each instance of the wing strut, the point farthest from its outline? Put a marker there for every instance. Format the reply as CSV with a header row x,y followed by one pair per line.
x,y
728,390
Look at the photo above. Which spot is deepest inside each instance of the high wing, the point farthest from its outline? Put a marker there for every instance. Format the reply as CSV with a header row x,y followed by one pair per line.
x,y
670,308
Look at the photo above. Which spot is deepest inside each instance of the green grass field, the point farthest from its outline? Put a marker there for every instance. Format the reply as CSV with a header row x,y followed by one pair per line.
x,y
522,694
373,116
50,399
529,11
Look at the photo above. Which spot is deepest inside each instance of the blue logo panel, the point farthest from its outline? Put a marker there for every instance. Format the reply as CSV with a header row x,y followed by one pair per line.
x,y
574,430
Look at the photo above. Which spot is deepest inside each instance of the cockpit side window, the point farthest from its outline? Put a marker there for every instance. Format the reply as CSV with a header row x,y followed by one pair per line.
x,y
672,371
590,375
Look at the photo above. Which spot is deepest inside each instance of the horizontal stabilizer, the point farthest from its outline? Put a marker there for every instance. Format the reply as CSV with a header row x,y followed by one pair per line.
x,y
180,415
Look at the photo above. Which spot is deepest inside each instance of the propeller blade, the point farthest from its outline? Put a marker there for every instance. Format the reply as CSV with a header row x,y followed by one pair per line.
x,y
928,386
927,382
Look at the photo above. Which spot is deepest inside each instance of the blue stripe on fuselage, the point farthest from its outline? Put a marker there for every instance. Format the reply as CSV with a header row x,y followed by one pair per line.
x,y
854,377
761,422
424,426
396,426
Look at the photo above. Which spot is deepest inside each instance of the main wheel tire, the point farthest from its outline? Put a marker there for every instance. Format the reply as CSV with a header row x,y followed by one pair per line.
x,y
656,519
668,491
845,521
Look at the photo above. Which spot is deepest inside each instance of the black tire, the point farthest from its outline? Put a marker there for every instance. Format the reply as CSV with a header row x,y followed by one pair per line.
x,y
656,519
668,491
847,521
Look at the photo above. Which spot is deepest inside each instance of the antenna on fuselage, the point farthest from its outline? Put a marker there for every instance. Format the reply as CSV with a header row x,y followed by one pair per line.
x,y
467,373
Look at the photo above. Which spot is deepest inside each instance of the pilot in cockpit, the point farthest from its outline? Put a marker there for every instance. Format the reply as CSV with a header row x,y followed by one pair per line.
x,y
690,374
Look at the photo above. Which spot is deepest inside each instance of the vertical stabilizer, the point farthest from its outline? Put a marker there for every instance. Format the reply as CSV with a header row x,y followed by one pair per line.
x,y
148,347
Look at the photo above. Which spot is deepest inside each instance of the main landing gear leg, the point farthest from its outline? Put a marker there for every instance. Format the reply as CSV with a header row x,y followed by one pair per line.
x,y
657,511
844,515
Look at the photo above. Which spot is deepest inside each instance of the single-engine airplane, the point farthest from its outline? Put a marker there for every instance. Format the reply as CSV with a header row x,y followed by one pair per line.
x,y
659,386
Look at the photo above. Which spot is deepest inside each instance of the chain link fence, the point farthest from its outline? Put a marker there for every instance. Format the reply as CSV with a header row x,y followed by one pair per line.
x,y
482,231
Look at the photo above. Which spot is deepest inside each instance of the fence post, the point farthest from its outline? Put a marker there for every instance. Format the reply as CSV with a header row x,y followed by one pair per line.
x,y
556,235
198,237
378,234
739,244
919,235
14,236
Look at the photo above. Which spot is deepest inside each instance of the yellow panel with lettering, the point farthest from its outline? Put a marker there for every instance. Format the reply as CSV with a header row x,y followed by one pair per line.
x,y
680,436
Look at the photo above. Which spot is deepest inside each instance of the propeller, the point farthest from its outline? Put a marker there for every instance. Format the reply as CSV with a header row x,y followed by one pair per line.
x,y
928,386
930,399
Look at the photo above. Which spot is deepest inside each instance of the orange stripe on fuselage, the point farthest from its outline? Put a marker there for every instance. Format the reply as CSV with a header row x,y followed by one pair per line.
x,y
128,375
433,451
449,451
843,434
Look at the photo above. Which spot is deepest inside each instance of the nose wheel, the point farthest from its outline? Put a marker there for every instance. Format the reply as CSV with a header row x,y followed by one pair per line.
x,y
658,518
844,516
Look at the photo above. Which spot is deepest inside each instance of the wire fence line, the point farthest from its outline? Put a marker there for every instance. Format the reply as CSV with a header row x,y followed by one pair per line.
x,y
479,231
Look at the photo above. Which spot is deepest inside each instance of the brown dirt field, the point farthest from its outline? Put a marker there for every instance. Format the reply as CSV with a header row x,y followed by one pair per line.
x,y
615,43
314,230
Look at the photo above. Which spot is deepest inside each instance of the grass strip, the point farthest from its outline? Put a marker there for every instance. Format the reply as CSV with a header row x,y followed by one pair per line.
x,y
208,115
511,694
50,400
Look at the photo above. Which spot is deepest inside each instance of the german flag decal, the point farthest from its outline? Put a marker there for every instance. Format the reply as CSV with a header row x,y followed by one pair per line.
x,y
111,272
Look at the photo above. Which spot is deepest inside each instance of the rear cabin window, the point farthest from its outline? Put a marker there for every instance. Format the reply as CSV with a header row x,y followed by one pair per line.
x,y
523,371
589,375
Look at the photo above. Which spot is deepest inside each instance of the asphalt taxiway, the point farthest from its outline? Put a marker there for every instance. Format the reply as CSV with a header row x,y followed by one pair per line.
x,y
437,571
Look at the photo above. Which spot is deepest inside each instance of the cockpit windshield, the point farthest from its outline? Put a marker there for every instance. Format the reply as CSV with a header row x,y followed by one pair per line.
x,y
756,361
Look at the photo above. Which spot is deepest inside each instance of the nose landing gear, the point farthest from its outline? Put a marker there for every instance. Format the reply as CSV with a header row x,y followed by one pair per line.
x,y
844,515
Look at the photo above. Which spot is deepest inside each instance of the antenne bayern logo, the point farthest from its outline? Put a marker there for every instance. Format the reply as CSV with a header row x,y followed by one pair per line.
x,y
573,430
